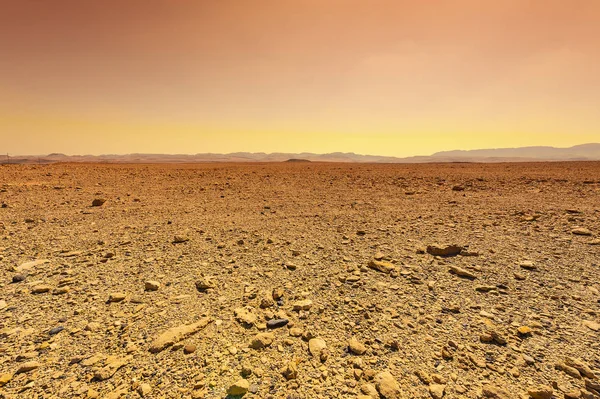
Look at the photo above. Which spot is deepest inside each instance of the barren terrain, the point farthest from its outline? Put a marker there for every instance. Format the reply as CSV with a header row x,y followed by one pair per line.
x,y
300,280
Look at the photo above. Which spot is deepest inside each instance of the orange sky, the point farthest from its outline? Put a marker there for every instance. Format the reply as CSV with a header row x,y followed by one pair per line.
x,y
371,76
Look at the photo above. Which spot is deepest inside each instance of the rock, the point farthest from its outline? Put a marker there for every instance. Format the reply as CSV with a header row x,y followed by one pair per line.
x,y
490,391
205,284
245,315
151,285
144,390
316,347
17,278
28,366
176,334
302,305
5,379
262,340
484,288
592,325
116,297
266,303
179,239
444,250
381,266
189,348
41,289
296,332
239,388
581,231
290,371
571,371
277,323
387,386
56,330
437,391
92,326
98,202
459,271
3,304
112,366
527,265
356,347
541,392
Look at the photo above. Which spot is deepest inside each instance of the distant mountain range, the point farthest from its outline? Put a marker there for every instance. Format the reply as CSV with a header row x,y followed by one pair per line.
x,y
584,152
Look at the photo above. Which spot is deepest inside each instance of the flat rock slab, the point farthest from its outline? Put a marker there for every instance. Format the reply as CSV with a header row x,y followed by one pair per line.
x,y
176,334
28,266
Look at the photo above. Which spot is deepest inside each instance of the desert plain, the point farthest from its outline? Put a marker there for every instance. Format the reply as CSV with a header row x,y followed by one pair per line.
x,y
300,280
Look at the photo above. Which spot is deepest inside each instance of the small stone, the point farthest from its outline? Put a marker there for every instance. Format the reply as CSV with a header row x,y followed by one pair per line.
x,y
444,250
524,331
116,297
239,388
98,202
490,391
290,371
277,323
316,346
27,367
179,239
262,340
381,266
527,265
277,293
356,347
5,379
189,348
245,315
3,304
41,289
437,391
92,326
581,231
151,285
56,330
17,278
459,271
541,392
303,305
204,284
296,332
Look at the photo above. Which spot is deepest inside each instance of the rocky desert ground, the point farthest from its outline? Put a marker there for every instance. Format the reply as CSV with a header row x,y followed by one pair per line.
x,y
300,280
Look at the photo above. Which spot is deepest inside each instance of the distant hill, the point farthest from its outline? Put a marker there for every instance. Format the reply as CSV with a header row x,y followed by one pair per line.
x,y
584,152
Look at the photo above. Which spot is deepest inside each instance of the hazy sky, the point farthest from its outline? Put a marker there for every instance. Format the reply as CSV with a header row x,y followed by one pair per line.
x,y
371,76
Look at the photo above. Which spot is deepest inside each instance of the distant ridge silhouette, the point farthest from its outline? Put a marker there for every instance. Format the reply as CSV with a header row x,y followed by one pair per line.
x,y
583,152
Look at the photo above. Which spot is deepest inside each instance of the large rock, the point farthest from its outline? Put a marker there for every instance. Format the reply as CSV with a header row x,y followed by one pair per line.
x,y
493,392
176,334
316,346
356,347
245,315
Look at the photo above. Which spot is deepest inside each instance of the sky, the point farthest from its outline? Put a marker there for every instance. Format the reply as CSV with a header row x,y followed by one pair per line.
x,y
381,77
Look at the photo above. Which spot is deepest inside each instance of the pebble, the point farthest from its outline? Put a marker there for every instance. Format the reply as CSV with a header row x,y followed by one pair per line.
x,y
17,278
437,391
581,231
444,250
144,390
527,265
98,202
189,348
